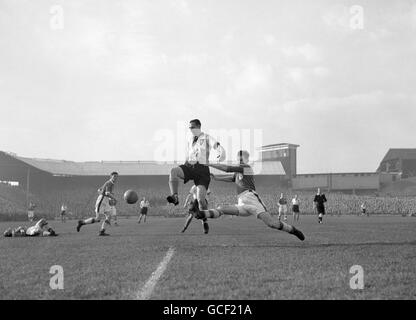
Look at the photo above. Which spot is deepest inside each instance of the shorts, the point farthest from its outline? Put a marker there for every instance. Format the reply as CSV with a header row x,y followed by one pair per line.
x,y
102,206
113,211
250,202
320,209
31,213
143,210
363,211
283,209
295,208
198,173
63,212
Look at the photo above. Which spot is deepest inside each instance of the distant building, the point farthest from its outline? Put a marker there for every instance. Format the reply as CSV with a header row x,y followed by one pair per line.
x,y
282,152
399,162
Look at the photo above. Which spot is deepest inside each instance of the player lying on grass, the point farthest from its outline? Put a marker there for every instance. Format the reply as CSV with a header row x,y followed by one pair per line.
x,y
249,202
39,229
102,205
192,201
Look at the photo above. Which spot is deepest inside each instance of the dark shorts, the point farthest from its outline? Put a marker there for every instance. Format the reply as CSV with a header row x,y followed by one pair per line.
x,y
295,208
63,212
143,210
363,210
198,173
194,206
320,209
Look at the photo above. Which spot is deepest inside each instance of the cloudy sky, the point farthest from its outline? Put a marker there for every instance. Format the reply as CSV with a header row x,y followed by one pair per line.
x,y
114,80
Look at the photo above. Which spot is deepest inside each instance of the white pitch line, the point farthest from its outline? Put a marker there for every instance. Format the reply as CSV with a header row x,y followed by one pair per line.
x,y
147,290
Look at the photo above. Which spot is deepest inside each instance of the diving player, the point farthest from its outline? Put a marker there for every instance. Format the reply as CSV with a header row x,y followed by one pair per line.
x,y
249,202
102,205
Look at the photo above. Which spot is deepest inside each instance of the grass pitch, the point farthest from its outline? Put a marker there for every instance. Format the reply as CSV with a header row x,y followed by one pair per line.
x,y
239,259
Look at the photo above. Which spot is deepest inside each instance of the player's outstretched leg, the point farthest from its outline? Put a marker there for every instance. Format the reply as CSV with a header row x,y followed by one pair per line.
x,y
279,225
175,175
216,213
187,222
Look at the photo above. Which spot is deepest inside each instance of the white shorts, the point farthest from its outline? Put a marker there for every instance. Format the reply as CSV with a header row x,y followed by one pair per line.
x,y
35,230
283,209
102,206
250,202
113,211
31,213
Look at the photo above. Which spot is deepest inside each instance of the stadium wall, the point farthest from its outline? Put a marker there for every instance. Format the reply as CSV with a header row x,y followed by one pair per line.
x,y
337,181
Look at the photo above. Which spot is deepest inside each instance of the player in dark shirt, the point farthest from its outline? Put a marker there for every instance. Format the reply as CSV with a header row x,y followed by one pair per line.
x,y
249,202
319,202
102,205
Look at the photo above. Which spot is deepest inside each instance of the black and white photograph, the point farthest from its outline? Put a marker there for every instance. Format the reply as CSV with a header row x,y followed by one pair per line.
x,y
207,154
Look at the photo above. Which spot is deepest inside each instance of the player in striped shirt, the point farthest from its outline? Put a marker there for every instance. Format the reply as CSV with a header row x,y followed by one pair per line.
x,y
249,202
102,205
195,167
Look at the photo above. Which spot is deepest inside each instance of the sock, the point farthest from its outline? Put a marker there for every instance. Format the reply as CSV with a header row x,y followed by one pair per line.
x,y
88,221
286,227
211,213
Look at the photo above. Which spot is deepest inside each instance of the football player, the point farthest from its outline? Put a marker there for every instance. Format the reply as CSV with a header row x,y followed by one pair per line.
x,y
64,208
319,204
195,167
144,207
192,203
102,205
282,207
249,202
31,211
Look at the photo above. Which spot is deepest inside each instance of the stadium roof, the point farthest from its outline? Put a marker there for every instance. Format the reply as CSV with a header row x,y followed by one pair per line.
x,y
395,153
130,168
278,145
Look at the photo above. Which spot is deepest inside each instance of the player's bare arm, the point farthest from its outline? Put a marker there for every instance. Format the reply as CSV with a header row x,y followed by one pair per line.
x,y
223,178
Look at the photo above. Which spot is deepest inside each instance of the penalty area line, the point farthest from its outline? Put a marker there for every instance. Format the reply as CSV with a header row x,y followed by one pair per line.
x,y
147,290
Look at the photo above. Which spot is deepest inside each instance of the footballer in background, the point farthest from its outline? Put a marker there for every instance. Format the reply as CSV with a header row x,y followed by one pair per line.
x,y
113,210
249,202
144,208
102,205
31,211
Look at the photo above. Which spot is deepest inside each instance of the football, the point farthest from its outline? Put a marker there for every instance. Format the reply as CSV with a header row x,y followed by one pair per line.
x,y
131,196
